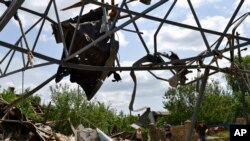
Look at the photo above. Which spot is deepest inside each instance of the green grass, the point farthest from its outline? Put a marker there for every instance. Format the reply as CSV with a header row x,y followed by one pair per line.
x,y
223,134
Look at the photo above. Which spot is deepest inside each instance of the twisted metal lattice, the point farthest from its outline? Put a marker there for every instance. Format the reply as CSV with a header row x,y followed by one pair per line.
x,y
179,68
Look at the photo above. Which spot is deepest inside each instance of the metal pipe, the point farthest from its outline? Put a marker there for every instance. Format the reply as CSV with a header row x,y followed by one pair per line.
x,y
137,31
38,14
10,12
105,68
66,52
118,13
42,24
199,26
8,64
160,26
28,94
24,69
229,24
237,34
131,31
114,30
166,21
34,25
198,104
5,56
77,25
40,29
21,43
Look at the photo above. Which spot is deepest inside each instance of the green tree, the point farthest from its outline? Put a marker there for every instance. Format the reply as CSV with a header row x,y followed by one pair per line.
x,y
180,103
72,103
217,104
25,106
240,86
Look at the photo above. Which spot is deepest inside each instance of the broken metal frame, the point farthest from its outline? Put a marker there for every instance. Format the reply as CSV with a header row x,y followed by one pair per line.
x,y
161,24
198,104
112,31
137,30
133,15
199,25
45,17
161,66
10,12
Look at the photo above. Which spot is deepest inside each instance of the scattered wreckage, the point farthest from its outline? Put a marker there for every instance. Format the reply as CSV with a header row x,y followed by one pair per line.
x,y
14,126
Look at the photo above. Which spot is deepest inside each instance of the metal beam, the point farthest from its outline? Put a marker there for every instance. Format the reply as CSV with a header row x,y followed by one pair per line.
x,y
166,21
160,26
229,24
28,94
160,66
114,30
199,26
198,104
10,12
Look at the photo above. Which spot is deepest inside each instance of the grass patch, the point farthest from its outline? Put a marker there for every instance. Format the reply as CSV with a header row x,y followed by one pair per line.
x,y
223,134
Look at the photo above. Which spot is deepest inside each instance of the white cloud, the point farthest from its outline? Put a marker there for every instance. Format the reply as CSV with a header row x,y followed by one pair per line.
x,y
9,83
122,39
117,98
245,7
216,23
119,94
195,3
46,37
180,39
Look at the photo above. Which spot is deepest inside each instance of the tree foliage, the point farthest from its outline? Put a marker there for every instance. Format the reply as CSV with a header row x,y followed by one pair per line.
x,y
25,105
239,85
217,105
179,102
72,103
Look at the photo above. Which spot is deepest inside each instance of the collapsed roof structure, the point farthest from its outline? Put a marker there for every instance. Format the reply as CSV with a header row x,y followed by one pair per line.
x,y
91,27
90,49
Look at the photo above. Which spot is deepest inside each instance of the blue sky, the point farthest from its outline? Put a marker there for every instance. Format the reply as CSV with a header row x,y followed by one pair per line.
x,y
213,14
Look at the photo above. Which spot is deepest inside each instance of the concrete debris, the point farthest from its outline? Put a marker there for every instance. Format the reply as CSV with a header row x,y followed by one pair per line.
x,y
86,134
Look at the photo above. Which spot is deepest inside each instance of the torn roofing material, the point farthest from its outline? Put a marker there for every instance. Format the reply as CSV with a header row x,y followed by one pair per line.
x,y
102,53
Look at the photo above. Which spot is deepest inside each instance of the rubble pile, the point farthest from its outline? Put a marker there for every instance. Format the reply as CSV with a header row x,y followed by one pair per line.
x,y
14,126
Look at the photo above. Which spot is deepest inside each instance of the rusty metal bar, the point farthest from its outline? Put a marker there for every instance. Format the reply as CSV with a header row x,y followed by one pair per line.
x,y
115,29
138,31
105,68
10,12
199,26
229,24
160,26
198,104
